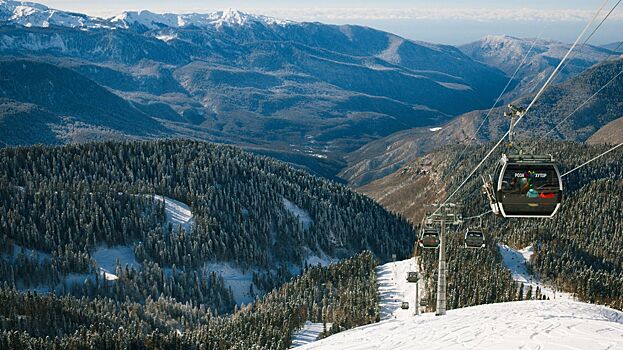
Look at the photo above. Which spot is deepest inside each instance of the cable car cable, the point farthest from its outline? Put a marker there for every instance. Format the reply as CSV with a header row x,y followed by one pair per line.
x,y
536,97
592,160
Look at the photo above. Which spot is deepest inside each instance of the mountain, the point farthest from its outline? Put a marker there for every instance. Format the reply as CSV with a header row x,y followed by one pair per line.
x,y
385,155
215,20
31,14
50,98
613,46
507,52
534,323
611,133
516,325
303,92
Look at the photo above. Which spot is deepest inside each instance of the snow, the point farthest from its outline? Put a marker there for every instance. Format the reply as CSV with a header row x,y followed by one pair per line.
x,y
235,278
78,278
301,214
215,20
394,289
308,334
166,37
177,213
318,155
31,14
322,260
547,324
517,262
106,259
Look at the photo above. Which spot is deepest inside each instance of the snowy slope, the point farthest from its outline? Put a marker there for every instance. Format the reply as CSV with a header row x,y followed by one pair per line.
x,y
308,334
517,262
177,213
301,214
106,259
394,289
550,324
28,253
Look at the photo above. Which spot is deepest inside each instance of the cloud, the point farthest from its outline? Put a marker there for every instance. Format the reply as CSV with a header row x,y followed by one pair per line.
x,y
473,14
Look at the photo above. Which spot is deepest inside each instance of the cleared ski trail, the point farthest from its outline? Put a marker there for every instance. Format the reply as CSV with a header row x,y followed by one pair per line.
x,y
517,262
394,289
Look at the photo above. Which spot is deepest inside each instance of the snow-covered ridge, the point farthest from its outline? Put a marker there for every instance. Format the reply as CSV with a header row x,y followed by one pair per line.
x,y
216,19
31,14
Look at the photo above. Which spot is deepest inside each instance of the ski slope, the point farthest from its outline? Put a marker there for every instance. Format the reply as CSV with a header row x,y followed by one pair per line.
x,y
558,323
547,324
394,289
517,262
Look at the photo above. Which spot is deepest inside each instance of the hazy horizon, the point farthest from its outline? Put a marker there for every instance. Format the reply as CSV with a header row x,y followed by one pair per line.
x,y
452,22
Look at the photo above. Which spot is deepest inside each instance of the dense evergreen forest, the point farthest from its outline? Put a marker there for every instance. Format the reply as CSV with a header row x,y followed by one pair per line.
x,y
343,294
579,250
59,204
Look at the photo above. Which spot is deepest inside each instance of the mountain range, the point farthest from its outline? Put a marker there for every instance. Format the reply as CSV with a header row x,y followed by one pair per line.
x,y
308,93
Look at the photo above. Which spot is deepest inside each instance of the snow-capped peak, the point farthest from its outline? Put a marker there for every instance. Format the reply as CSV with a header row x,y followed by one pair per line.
x,y
216,19
31,14
36,15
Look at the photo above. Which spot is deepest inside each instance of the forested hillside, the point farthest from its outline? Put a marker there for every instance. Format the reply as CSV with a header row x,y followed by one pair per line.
x,y
60,207
579,250
343,294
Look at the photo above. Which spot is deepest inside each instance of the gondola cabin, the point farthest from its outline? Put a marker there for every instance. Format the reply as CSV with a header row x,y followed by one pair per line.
x,y
412,277
429,238
527,186
404,305
474,239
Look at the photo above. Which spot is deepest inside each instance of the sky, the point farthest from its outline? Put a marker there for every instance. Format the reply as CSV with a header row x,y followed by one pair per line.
x,y
442,21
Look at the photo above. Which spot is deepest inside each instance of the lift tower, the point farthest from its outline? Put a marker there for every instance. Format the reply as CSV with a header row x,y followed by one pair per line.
x,y
444,214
